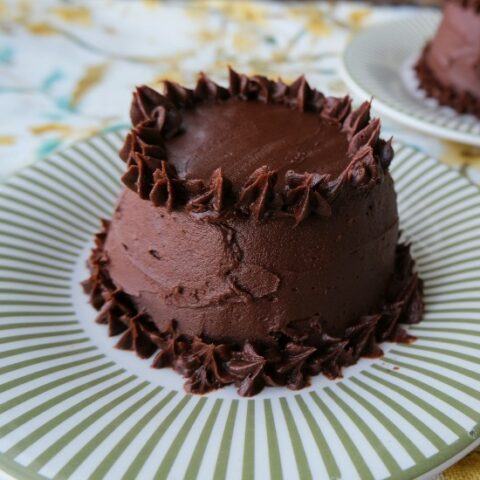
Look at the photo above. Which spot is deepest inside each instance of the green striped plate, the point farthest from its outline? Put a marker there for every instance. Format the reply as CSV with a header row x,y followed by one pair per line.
x,y
72,406
378,63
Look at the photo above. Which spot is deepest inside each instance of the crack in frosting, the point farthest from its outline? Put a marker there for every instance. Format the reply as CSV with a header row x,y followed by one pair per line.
x,y
290,361
156,118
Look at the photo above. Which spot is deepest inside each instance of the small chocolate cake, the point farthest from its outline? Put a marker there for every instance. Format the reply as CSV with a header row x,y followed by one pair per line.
x,y
449,67
256,241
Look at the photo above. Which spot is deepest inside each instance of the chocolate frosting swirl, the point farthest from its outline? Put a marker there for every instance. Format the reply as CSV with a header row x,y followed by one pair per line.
x,y
304,194
258,194
159,118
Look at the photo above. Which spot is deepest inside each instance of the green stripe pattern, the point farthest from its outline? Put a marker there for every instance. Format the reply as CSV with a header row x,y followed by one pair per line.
x,y
72,407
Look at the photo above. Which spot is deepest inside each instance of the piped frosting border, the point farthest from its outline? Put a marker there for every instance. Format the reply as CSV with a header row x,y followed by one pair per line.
x,y
157,117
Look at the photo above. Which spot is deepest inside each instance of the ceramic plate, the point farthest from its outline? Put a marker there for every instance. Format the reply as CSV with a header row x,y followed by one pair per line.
x,y
378,63
72,406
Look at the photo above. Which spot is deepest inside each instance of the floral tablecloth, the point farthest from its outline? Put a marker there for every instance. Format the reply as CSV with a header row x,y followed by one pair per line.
x,y
67,68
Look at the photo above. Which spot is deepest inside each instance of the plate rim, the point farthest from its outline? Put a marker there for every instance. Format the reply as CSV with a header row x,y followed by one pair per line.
x,y
430,466
383,107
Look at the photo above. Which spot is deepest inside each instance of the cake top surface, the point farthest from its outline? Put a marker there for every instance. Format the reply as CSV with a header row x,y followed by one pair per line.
x,y
243,136
257,148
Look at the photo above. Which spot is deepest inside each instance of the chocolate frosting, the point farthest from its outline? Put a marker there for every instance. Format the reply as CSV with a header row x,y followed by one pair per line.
x,y
449,67
235,279
308,286
215,151
290,361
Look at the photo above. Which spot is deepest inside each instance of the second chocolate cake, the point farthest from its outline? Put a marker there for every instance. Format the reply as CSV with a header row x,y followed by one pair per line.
x,y
256,241
449,66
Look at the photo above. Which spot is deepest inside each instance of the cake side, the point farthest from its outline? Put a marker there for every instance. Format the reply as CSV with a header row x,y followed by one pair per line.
x,y
234,279
251,366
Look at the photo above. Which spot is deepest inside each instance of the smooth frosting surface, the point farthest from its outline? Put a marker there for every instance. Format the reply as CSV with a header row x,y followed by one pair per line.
x,y
242,136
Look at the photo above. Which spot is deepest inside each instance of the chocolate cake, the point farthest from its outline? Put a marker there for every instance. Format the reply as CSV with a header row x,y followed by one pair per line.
x,y
449,67
256,241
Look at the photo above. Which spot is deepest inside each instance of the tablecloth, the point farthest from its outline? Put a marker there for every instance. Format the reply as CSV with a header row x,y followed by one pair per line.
x,y
67,69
